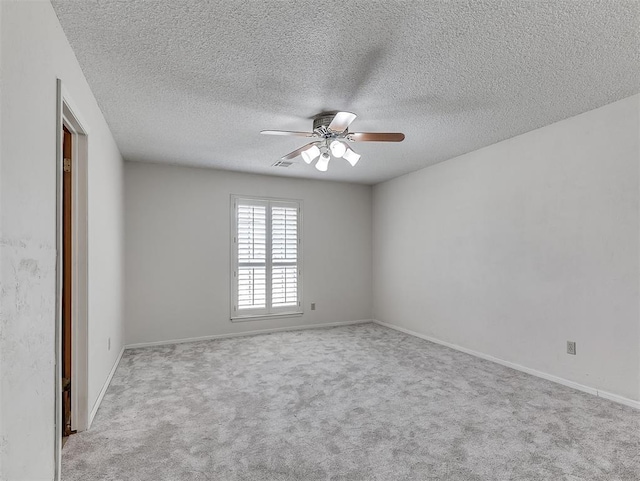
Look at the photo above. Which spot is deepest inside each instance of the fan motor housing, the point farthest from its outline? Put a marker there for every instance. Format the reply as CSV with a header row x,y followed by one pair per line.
x,y
323,120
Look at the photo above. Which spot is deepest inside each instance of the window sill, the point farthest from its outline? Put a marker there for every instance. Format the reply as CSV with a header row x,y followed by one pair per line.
x,y
259,317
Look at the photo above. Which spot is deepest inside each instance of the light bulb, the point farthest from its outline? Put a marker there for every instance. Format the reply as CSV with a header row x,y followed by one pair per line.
x,y
310,154
337,148
351,157
323,162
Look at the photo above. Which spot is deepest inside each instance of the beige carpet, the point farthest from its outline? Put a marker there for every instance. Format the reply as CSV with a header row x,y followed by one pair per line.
x,y
353,403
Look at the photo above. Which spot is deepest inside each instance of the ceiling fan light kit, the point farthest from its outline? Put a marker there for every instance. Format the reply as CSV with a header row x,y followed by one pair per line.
x,y
323,162
351,157
310,154
337,148
332,130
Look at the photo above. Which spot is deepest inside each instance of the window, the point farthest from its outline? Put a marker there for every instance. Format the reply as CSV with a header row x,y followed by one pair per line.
x,y
266,252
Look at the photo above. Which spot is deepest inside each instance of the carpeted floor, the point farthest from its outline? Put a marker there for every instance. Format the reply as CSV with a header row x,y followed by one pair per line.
x,y
350,403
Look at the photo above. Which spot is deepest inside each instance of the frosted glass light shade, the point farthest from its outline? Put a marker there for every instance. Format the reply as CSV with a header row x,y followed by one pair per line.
x,y
351,157
337,148
323,162
310,154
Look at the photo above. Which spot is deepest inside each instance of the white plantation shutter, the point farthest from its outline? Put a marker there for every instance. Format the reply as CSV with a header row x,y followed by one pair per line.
x,y
266,249
252,260
284,256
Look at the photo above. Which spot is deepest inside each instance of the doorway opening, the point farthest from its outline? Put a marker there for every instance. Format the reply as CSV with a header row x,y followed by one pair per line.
x,y
72,275
67,277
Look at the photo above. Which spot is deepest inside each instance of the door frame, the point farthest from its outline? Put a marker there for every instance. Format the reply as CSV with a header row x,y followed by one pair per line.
x,y
68,115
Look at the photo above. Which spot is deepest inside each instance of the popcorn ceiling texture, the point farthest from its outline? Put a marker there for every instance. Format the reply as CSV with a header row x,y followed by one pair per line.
x,y
193,83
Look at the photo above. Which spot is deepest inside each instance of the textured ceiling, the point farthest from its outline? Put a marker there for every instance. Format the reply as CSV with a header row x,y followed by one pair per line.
x,y
193,82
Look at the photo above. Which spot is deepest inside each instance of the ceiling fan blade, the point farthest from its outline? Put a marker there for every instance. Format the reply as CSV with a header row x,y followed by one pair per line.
x,y
288,132
376,136
341,121
297,152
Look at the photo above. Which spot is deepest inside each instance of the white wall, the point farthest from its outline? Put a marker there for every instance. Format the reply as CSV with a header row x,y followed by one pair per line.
x,y
516,248
34,52
177,250
2,437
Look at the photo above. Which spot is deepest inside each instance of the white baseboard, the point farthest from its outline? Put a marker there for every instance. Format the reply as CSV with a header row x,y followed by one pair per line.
x,y
96,406
619,399
246,333
518,367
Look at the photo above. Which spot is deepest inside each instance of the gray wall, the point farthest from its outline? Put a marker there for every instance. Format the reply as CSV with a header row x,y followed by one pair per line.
x,y
178,250
516,248
35,52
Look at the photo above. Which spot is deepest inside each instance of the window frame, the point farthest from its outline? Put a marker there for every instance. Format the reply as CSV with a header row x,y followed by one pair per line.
x,y
238,315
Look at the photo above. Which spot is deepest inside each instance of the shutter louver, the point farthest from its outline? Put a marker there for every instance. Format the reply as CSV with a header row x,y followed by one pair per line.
x,y
284,256
252,248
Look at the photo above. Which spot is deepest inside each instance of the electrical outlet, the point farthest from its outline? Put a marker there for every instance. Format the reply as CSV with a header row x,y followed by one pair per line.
x,y
313,306
571,348
109,344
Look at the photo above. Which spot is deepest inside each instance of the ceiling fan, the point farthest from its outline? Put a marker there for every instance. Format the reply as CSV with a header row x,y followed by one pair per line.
x,y
331,131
